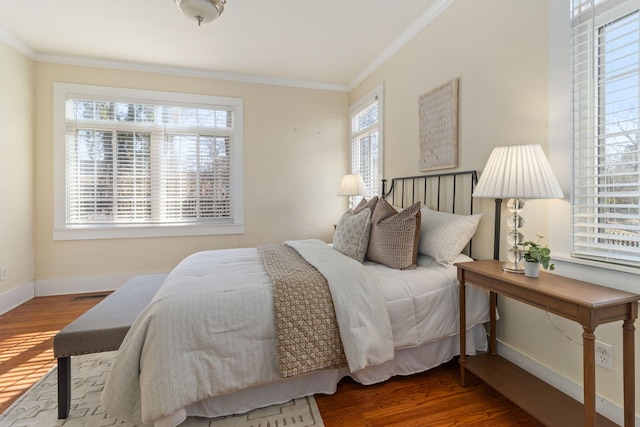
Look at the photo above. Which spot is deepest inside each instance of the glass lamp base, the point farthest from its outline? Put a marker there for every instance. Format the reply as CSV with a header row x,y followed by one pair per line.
x,y
515,254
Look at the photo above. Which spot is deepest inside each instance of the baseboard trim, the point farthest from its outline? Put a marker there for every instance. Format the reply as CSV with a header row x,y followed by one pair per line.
x,y
67,286
16,296
79,285
604,406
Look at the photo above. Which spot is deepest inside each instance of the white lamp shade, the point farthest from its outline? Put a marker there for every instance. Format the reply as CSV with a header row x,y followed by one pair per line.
x,y
202,11
352,185
518,172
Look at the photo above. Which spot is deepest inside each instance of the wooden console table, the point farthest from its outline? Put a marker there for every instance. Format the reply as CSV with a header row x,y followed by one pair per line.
x,y
586,303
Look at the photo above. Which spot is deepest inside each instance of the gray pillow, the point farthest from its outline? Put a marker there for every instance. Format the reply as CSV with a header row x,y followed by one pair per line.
x,y
352,234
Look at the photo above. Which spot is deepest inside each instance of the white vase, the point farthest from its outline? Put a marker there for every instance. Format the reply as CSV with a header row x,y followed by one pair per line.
x,y
531,268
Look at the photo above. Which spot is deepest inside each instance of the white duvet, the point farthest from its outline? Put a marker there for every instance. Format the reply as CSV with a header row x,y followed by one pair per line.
x,y
210,331
423,303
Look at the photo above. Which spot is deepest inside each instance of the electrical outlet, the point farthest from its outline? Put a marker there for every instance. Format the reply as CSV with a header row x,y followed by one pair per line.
x,y
604,355
4,273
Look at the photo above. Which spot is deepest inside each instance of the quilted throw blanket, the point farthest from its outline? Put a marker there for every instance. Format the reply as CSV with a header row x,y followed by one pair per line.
x,y
306,325
210,330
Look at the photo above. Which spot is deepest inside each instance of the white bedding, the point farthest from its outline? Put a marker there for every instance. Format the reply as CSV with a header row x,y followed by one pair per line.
x,y
407,294
421,306
419,302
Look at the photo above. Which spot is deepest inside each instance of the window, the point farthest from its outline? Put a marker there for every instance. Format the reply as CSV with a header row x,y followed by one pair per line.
x,y
139,163
606,97
366,140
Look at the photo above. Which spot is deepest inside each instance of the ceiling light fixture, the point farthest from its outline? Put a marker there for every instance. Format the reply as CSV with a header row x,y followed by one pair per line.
x,y
201,10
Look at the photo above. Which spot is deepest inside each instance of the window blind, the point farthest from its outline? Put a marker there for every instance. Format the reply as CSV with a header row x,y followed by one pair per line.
x,y
605,99
147,163
365,145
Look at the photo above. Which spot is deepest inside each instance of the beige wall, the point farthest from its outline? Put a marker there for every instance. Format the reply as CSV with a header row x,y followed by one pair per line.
x,y
16,167
500,61
499,49
295,152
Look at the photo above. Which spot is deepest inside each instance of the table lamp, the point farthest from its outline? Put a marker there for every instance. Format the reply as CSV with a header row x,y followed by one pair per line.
x,y
516,172
352,185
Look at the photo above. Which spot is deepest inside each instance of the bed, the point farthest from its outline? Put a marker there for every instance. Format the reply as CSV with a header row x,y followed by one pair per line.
x,y
380,301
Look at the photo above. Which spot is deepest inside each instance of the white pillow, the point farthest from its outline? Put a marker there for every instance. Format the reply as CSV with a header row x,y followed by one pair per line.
x,y
444,235
352,234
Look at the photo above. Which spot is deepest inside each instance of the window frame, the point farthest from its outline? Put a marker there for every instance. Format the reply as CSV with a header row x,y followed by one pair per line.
x,y
64,231
607,13
376,94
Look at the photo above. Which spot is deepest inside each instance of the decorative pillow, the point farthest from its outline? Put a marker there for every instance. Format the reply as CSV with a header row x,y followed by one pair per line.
x,y
394,236
352,234
371,204
444,235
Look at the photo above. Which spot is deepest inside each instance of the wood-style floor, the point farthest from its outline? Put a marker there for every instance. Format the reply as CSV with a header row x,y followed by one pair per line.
x,y
433,398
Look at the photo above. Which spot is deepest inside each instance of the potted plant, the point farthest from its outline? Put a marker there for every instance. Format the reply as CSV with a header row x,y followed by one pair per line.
x,y
536,255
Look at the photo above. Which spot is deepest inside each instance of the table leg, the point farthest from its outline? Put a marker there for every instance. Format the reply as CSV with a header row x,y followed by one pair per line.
x,y
628,372
493,303
589,376
463,332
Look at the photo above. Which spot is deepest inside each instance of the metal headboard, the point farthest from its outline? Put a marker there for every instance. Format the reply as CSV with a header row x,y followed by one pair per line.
x,y
447,192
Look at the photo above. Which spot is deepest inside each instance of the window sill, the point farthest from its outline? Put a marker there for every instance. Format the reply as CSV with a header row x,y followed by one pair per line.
x,y
93,232
596,264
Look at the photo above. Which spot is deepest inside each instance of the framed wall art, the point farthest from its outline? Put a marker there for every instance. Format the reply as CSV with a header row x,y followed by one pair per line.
x,y
438,111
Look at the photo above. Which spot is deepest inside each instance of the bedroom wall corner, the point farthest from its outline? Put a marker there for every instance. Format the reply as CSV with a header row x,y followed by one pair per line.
x,y
16,176
501,63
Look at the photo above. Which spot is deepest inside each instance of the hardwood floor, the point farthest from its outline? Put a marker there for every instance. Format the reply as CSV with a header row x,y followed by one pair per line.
x,y
26,340
433,398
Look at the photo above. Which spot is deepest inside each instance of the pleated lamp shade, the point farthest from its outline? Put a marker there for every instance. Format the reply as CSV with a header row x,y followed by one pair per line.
x,y
352,185
518,172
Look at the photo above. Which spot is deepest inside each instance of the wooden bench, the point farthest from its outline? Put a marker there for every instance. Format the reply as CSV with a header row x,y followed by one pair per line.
x,y
102,328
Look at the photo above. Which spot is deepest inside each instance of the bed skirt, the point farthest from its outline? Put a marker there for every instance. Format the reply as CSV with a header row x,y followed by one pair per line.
x,y
407,361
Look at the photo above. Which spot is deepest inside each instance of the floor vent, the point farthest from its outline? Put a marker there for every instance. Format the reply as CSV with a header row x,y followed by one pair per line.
x,y
81,297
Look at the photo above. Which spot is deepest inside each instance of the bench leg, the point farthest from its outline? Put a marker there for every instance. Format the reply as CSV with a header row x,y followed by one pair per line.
x,y
64,387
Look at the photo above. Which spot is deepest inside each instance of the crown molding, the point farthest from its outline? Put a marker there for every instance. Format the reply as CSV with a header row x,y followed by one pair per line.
x,y
187,72
17,45
418,25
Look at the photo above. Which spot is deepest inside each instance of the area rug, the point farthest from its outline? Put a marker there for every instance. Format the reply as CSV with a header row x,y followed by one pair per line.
x,y
39,405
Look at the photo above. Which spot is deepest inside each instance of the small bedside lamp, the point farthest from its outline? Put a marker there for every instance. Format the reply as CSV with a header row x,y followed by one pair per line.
x,y
352,185
516,172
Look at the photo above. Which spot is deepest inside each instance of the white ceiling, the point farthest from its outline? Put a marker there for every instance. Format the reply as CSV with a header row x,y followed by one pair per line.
x,y
328,44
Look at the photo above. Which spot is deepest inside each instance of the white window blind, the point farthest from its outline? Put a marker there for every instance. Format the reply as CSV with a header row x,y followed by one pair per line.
x,y
149,162
605,100
366,141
